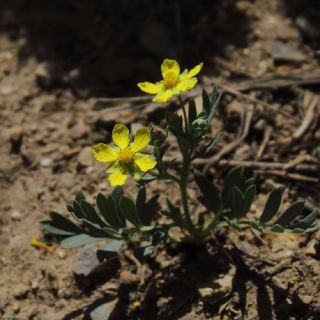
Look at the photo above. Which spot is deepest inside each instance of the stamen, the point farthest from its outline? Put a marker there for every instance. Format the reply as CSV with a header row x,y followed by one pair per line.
x,y
170,80
126,156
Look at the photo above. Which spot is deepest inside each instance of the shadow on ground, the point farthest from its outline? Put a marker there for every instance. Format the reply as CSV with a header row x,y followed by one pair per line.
x,y
306,16
104,47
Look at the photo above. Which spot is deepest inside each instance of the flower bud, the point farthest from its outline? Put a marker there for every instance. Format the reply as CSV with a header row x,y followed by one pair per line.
x,y
157,137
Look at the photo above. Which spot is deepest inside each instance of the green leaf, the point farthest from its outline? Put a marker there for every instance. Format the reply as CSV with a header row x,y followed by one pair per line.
x,y
141,198
210,192
91,213
307,221
272,205
109,250
93,229
276,228
233,178
49,227
174,213
248,183
61,222
206,101
174,122
77,211
129,211
146,228
148,210
80,196
192,115
291,213
257,226
117,193
108,209
214,141
237,202
214,104
248,199
112,233
78,241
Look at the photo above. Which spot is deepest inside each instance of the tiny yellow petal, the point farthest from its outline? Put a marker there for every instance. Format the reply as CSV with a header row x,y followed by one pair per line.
x,y
169,65
141,139
187,84
40,244
144,162
105,153
120,136
152,88
194,71
117,178
163,96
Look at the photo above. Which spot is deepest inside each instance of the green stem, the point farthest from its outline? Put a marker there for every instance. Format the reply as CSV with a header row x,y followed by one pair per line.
x,y
208,226
184,111
184,196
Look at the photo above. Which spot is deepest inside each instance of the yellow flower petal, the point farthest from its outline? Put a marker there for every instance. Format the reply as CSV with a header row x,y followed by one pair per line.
x,y
187,84
169,65
144,161
117,178
193,72
120,136
152,88
105,153
141,139
163,96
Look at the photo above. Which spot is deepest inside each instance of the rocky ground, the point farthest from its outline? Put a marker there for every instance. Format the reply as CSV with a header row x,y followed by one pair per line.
x,y
68,72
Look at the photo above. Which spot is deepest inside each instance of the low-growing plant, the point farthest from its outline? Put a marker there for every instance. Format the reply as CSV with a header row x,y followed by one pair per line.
x,y
117,219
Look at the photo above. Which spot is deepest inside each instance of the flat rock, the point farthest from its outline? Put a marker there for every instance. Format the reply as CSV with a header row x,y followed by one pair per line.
x,y
86,260
102,312
85,157
79,130
284,52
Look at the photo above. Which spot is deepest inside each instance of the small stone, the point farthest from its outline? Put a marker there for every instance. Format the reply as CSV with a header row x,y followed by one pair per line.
x,y
67,181
102,312
16,308
206,293
61,253
103,185
45,162
85,157
42,70
86,260
311,248
6,90
20,291
16,215
35,285
79,130
74,74
284,52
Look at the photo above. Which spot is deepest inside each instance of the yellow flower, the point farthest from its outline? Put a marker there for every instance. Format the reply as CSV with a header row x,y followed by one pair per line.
x,y
173,81
124,156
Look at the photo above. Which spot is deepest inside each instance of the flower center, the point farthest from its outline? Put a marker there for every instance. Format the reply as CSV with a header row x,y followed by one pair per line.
x,y
170,80
126,156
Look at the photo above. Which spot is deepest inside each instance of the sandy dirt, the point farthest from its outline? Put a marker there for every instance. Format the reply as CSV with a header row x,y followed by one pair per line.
x,y
68,73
